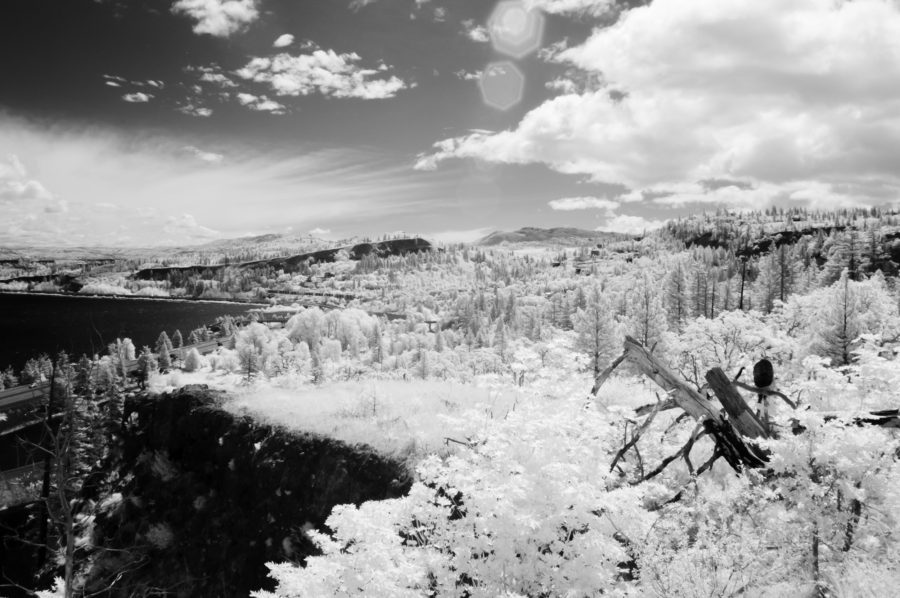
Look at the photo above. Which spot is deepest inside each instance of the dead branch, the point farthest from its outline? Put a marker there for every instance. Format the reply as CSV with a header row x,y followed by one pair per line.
x,y
605,374
636,435
646,409
696,434
766,391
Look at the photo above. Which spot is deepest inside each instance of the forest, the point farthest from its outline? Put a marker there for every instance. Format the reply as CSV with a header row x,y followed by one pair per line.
x,y
707,410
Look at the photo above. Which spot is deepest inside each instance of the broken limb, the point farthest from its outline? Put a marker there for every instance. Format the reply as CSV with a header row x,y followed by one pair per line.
x,y
766,391
636,435
605,374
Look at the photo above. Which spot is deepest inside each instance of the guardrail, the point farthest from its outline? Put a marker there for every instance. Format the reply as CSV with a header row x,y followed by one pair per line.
x,y
19,395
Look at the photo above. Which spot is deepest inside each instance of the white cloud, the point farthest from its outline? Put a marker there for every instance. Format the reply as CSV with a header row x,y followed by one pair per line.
x,y
305,185
187,226
632,225
355,5
320,231
15,183
324,72
476,33
57,206
583,203
210,157
283,41
776,94
574,7
220,18
138,97
194,110
260,103
217,79
467,76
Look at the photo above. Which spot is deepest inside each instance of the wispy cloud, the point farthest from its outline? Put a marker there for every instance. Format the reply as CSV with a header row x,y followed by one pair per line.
x,y
153,186
583,203
138,97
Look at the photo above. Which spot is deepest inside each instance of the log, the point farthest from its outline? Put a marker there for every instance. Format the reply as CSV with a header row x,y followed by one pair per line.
x,y
741,416
691,401
729,442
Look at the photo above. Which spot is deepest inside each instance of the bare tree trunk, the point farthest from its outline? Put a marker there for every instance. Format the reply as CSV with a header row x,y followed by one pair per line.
x,y
45,483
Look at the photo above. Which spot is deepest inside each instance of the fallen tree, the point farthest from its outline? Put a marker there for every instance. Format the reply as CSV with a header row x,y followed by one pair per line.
x,y
732,424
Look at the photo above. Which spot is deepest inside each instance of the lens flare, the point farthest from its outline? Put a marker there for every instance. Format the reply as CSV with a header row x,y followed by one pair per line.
x,y
515,29
502,84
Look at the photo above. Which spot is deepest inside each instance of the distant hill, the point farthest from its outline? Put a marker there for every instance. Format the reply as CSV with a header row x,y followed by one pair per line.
x,y
559,235
294,262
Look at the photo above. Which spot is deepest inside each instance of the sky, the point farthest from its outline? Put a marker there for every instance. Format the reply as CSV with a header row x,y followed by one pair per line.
x,y
161,122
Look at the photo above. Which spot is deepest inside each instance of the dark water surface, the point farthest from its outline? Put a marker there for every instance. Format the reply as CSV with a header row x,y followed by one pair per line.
x,y
34,324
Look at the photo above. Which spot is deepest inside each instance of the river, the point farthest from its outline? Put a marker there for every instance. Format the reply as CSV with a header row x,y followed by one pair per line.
x,y
34,324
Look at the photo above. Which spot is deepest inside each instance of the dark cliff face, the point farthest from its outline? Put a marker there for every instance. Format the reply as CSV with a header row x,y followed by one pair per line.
x,y
207,498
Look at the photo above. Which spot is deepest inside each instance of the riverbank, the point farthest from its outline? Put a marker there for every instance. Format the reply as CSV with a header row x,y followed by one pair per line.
x,y
134,297
36,323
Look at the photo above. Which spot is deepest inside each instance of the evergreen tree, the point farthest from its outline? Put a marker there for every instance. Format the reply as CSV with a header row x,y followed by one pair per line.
x,y
147,365
177,341
163,344
596,331
676,296
647,316
164,360
840,327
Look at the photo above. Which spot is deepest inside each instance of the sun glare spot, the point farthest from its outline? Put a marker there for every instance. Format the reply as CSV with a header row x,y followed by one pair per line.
x,y
502,84
515,29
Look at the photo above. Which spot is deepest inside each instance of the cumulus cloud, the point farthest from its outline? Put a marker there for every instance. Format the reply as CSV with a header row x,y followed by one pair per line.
x,y
217,78
476,33
631,225
137,97
195,110
323,71
583,203
260,103
464,75
320,231
283,41
15,184
774,94
187,226
220,18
